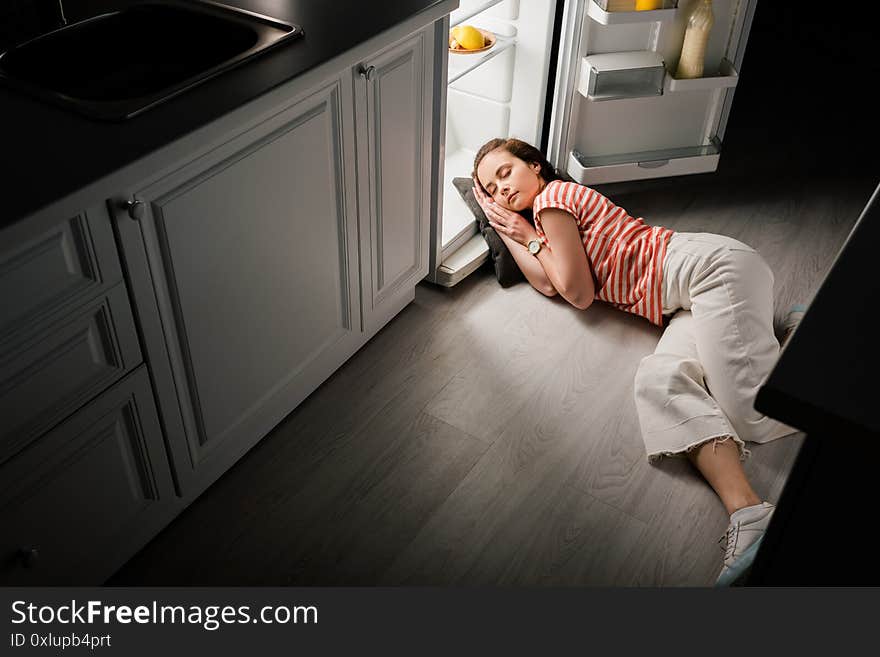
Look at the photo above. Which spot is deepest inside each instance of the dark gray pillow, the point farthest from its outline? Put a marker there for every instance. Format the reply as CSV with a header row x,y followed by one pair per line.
x,y
506,270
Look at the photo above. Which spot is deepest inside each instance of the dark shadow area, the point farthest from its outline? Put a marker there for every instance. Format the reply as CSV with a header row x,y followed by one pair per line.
x,y
805,103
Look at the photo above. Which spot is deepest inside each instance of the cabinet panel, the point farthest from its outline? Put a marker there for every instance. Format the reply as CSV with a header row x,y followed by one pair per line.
x,y
397,194
394,131
80,499
253,271
239,297
56,367
73,260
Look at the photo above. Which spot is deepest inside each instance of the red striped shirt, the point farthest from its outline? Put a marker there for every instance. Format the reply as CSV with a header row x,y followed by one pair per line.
x,y
625,253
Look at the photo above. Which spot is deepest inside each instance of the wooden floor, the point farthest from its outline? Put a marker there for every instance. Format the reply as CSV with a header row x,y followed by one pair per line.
x,y
488,436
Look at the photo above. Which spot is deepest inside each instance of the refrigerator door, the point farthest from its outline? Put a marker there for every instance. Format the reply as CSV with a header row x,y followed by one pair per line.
x,y
638,128
499,92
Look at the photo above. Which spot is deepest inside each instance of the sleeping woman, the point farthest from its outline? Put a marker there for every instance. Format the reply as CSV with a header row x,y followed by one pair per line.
x,y
714,295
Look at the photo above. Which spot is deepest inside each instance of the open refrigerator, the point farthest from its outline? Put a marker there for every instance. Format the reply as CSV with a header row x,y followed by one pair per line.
x,y
591,82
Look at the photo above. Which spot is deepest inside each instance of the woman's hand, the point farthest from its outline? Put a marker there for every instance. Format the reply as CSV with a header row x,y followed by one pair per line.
x,y
506,222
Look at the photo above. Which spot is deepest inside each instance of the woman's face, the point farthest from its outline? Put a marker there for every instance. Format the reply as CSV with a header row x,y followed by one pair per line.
x,y
511,182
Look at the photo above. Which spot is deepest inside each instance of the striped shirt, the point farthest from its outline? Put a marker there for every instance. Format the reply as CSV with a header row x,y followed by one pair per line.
x,y
626,254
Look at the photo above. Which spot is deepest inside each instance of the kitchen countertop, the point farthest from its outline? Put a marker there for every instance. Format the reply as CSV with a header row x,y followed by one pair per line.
x,y
50,152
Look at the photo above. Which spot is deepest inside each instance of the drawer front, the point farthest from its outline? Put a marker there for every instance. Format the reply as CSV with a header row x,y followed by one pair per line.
x,y
69,263
75,503
46,374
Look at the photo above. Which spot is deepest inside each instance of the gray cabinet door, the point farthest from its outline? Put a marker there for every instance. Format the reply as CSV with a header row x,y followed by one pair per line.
x,y
244,274
84,497
394,148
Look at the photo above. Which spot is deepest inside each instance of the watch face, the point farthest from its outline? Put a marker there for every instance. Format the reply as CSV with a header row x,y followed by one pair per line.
x,y
534,246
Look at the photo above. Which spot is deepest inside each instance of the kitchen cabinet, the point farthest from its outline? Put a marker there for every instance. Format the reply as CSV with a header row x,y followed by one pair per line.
x,y
244,271
149,342
83,473
260,267
394,104
256,274
66,330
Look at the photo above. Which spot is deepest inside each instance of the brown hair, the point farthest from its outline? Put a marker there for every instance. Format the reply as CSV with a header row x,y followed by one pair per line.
x,y
518,148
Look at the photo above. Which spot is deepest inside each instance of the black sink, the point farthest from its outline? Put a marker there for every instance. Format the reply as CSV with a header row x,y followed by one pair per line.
x,y
119,64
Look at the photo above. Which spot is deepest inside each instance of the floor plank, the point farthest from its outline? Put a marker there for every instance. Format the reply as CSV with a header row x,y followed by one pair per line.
x,y
373,508
581,542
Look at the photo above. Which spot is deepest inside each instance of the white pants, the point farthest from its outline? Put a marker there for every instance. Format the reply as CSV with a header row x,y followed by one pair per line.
x,y
718,348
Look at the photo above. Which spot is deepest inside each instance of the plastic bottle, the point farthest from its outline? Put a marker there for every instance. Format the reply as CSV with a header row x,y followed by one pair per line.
x,y
696,37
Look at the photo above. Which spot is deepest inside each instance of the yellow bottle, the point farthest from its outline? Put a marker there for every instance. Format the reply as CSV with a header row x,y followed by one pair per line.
x,y
648,5
696,38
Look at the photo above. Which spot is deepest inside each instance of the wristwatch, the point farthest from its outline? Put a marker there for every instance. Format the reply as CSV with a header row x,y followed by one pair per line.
x,y
534,247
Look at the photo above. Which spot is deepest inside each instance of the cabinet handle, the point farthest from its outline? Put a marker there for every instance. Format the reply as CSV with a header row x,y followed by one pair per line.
x,y
367,72
135,209
28,556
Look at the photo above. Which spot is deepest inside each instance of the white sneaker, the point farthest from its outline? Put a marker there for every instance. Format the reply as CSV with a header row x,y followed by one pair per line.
x,y
743,536
790,323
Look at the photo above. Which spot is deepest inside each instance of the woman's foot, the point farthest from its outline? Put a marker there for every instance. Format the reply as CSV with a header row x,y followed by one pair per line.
x,y
742,538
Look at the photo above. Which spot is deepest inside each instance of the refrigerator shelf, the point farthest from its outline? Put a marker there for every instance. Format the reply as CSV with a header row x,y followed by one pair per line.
x,y
460,16
595,170
463,261
726,77
459,223
462,63
603,17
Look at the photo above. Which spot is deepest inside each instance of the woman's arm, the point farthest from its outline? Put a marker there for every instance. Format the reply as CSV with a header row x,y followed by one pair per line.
x,y
529,265
567,266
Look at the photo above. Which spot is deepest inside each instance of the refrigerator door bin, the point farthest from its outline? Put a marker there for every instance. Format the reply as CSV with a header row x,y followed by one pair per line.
x,y
726,77
646,164
606,12
617,75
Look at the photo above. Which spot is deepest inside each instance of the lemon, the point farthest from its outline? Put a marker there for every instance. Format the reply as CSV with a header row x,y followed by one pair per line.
x,y
469,37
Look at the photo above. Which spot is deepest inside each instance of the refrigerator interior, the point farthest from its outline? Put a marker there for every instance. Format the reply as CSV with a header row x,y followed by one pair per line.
x,y
618,112
646,128
497,93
